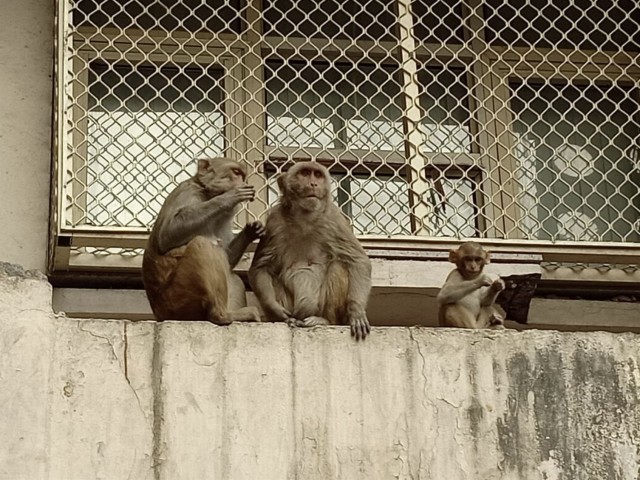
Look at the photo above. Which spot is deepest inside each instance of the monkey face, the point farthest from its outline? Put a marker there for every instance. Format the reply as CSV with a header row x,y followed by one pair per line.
x,y
310,182
471,266
470,259
307,184
219,175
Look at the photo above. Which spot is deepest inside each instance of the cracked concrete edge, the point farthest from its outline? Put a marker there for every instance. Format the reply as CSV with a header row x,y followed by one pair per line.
x,y
14,270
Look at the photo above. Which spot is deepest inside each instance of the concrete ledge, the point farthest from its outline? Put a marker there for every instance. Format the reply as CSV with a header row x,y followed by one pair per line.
x,y
183,400
584,315
404,294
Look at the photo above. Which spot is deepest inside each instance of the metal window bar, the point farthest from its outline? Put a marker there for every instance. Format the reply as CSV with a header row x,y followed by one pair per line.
x,y
497,119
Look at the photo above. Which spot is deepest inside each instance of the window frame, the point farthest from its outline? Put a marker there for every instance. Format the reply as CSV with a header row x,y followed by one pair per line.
x,y
492,65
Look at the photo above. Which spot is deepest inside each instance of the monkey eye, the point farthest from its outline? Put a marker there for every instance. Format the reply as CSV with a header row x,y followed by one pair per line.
x,y
317,174
239,172
305,172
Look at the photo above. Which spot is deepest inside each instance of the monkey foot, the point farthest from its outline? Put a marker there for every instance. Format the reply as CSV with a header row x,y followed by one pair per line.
x,y
496,319
312,321
244,314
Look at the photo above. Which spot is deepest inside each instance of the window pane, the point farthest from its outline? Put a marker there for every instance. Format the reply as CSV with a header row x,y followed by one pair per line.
x,y
346,19
445,103
190,15
146,126
577,161
438,21
584,24
458,215
333,106
377,205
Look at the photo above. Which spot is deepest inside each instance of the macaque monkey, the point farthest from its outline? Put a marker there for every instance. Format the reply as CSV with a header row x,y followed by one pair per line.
x,y
191,251
309,269
467,296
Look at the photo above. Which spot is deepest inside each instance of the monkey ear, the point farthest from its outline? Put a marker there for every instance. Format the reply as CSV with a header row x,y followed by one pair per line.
x,y
203,165
282,185
487,257
453,255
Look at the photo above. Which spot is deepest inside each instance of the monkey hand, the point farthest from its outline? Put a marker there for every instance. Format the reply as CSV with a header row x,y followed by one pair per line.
x,y
243,193
359,323
497,285
254,230
485,280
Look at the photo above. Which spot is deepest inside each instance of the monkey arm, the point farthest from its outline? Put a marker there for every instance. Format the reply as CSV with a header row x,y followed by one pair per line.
x,y
359,283
359,274
351,254
242,240
358,264
490,296
455,289
262,285
189,218
261,281
238,246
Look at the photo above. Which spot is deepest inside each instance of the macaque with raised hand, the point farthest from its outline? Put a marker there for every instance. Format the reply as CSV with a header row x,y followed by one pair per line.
x,y
309,269
191,251
467,297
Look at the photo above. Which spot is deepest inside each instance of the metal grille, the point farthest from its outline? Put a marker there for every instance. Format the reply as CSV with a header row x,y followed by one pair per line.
x,y
496,119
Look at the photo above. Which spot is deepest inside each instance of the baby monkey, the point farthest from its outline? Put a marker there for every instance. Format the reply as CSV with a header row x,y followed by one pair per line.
x,y
467,296
191,251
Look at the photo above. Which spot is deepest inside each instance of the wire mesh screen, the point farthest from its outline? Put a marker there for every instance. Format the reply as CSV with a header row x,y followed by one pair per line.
x,y
454,119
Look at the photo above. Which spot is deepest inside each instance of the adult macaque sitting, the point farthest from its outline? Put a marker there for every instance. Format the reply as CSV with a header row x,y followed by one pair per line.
x,y
467,297
187,264
309,269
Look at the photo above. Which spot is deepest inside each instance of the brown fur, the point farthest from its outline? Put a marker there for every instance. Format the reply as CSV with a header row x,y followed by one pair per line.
x,y
309,268
191,250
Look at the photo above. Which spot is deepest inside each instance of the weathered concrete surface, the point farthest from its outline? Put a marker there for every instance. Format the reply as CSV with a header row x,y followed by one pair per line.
x,y
117,400
72,408
26,86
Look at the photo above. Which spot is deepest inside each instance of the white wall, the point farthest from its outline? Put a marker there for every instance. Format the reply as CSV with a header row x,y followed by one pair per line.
x,y
26,79
99,399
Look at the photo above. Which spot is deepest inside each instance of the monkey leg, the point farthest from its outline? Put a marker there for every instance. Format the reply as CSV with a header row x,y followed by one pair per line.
x,y
203,288
199,286
490,318
236,297
237,302
305,283
457,316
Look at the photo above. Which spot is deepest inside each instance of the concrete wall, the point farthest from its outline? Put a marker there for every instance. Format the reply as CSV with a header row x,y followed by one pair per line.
x,y
26,83
100,399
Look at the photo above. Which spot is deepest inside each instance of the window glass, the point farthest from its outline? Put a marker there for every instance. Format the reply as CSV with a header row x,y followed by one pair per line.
x,y
577,161
146,126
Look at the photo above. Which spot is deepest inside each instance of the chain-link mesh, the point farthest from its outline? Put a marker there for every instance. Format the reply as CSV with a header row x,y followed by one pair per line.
x,y
475,118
